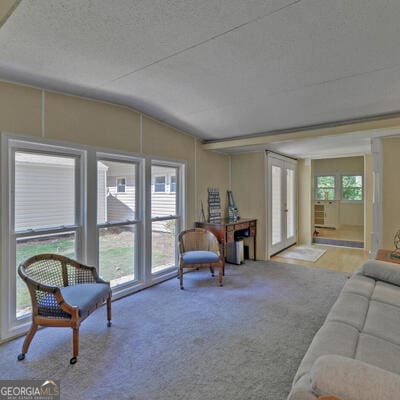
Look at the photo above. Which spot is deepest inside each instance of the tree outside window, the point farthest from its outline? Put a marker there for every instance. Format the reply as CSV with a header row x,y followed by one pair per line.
x,y
325,188
352,187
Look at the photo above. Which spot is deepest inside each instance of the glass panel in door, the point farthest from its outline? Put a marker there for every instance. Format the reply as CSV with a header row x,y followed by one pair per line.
x,y
276,205
290,203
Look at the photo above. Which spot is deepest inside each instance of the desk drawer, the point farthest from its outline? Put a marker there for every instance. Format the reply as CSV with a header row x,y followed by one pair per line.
x,y
239,227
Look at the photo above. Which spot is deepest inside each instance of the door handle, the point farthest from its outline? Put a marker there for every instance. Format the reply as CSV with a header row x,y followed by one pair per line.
x,y
286,210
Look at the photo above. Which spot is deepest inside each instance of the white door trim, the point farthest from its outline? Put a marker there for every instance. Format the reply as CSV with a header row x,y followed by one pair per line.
x,y
286,163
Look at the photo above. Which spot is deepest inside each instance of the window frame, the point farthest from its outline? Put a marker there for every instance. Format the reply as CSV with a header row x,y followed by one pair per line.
x,y
11,324
137,221
179,216
334,187
342,199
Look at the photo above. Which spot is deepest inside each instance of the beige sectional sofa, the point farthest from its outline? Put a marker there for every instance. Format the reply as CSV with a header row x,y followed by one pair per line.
x,y
356,353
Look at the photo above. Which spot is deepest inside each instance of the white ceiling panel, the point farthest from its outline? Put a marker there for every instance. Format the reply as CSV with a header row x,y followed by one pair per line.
x,y
217,69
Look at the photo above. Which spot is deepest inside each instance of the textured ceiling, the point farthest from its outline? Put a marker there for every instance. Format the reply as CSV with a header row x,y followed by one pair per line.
x,y
215,68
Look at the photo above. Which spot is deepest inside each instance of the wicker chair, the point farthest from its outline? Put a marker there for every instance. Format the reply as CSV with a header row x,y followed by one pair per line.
x,y
199,248
63,292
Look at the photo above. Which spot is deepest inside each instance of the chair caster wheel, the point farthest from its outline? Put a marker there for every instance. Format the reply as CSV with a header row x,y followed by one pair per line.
x,y
220,285
73,360
21,356
212,275
109,324
182,288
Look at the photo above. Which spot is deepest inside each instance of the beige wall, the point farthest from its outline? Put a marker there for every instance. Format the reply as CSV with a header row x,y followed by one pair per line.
x,y
20,109
339,165
248,187
349,213
89,122
213,173
305,203
391,190
6,8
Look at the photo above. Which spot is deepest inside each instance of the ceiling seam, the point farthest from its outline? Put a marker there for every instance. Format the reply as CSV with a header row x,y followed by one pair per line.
x,y
294,89
201,43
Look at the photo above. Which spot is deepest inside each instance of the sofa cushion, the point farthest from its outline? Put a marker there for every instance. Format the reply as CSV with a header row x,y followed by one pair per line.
x,y
360,284
383,321
302,390
382,271
332,338
350,309
378,352
85,295
387,293
199,257
352,379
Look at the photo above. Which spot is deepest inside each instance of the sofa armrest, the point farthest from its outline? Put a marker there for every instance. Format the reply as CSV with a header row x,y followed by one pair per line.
x,y
382,271
349,379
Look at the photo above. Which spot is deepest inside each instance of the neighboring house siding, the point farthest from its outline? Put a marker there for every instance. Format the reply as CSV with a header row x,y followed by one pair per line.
x,y
163,204
121,206
43,195
101,195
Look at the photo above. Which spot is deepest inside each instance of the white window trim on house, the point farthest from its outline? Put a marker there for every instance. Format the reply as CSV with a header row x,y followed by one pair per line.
x,y
118,185
86,225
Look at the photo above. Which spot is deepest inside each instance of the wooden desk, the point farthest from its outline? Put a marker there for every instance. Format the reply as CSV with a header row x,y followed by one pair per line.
x,y
384,255
225,231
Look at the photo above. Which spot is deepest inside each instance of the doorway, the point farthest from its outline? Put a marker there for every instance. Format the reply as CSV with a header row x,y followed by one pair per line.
x,y
282,202
338,201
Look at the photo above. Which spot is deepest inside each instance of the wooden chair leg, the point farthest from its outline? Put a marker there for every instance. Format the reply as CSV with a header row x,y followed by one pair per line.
x,y
181,277
75,353
109,310
212,271
28,340
220,275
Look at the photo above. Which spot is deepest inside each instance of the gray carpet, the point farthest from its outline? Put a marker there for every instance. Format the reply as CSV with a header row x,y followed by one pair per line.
x,y
242,341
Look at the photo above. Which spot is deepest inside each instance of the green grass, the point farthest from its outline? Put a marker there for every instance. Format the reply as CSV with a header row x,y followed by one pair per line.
x,y
116,258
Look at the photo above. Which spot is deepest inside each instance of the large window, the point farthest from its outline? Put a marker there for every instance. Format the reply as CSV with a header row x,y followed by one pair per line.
x,y
103,209
117,219
352,187
46,210
325,186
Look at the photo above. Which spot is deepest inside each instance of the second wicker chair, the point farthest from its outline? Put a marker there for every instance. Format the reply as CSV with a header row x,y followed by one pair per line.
x,y
200,248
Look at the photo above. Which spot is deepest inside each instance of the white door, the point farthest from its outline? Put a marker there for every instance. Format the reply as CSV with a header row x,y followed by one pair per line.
x,y
282,202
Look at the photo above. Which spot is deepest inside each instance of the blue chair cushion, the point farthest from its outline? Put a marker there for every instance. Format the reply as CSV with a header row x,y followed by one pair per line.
x,y
85,296
199,257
